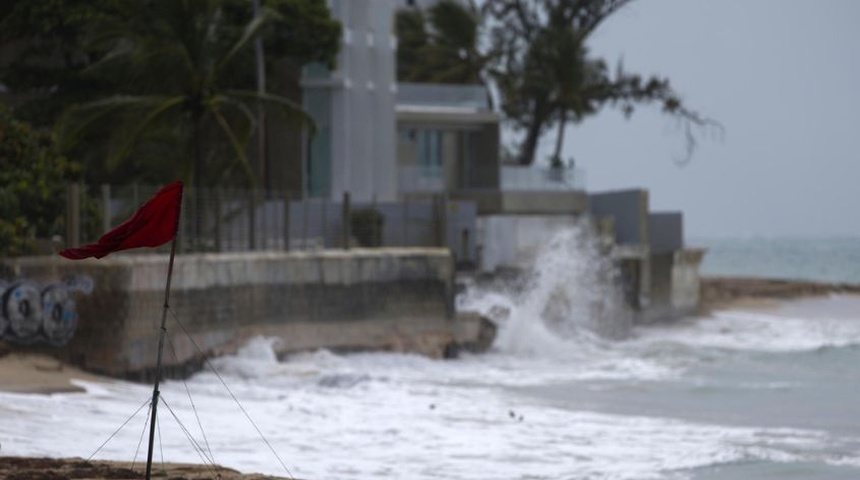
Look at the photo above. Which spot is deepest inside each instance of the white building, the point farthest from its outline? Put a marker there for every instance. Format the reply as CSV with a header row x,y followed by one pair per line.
x,y
354,107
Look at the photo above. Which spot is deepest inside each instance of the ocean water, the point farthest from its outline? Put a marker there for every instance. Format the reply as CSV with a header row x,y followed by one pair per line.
x,y
763,394
827,259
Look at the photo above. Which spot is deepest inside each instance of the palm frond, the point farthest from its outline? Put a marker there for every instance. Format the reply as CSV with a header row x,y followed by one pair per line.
x,y
238,147
141,125
252,29
289,109
81,118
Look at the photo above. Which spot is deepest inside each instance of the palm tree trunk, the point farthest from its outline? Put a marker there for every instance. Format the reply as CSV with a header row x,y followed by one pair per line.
x,y
527,151
535,128
198,178
559,140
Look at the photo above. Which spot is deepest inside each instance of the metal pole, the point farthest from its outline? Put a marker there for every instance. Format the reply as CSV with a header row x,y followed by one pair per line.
x,y
345,220
252,221
105,207
286,220
261,118
73,215
161,336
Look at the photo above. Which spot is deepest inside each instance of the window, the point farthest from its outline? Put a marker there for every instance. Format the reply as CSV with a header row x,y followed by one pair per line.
x,y
430,152
318,105
316,70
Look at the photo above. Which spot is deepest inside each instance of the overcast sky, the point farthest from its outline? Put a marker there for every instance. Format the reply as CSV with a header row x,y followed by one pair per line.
x,y
782,76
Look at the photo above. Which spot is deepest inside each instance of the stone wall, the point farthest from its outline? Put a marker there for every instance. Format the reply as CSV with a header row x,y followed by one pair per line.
x,y
393,299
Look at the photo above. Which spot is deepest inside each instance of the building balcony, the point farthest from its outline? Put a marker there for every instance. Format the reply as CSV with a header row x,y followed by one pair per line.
x,y
441,97
542,179
420,179
509,189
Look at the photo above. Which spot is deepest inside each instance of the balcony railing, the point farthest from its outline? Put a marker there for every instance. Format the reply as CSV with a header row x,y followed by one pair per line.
x,y
431,179
420,178
451,96
542,178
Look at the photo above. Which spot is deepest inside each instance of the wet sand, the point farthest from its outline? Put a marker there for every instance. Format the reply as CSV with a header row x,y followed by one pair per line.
x,y
39,373
23,468
720,293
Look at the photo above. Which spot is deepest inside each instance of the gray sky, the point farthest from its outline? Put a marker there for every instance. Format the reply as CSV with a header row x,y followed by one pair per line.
x,y
782,76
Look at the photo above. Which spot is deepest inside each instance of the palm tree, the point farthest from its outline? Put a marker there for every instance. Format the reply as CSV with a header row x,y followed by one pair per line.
x,y
443,45
546,77
180,62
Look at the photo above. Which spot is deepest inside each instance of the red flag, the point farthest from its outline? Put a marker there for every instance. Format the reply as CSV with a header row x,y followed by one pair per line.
x,y
153,224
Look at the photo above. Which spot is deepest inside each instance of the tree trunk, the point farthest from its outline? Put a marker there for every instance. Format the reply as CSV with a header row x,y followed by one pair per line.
x,y
197,175
559,140
527,151
535,128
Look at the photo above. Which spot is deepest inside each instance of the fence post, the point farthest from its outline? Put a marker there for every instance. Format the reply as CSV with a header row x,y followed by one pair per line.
x,y
105,207
217,219
286,220
347,233
405,233
305,214
324,204
73,215
442,220
464,245
182,245
252,221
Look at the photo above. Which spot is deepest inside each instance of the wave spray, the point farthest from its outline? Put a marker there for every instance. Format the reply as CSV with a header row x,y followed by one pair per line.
x,y
566,298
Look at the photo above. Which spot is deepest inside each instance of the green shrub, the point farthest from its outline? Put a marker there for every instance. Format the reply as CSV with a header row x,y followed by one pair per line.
x,y
366,225
33,181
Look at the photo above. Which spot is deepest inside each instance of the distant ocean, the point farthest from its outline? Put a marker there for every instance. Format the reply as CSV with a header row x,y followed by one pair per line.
x,y
834,259
753,395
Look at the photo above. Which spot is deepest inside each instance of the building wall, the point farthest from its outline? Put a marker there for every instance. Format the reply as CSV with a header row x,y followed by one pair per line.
x,y
512,241
360,143
686,281
468,148
284,170
628,208
395,299
666,231
662,265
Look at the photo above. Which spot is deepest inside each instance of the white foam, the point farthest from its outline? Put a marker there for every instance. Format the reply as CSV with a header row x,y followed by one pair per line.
x,y
571,299
404,416
408,417
759,331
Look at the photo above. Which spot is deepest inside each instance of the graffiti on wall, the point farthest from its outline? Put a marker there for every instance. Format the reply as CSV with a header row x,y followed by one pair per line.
x,y
31,313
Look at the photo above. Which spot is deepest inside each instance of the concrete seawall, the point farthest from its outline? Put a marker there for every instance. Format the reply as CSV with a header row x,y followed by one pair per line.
x,y
380,299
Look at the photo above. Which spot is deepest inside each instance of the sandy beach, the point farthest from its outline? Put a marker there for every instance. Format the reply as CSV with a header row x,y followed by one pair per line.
x,y
720,293
39,373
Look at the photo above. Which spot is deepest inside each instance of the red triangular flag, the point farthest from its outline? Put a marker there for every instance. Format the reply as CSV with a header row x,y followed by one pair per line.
x,y
153,224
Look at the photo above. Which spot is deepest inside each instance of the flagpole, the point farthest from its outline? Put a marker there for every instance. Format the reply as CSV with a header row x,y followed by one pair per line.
x,y
161,335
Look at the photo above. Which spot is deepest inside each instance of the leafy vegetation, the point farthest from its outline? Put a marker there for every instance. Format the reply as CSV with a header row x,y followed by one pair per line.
x,y
441,45
535,55
158,89
33,181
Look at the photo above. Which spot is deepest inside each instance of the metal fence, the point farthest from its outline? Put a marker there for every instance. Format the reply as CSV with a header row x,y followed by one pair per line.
x,y
535,178
234,220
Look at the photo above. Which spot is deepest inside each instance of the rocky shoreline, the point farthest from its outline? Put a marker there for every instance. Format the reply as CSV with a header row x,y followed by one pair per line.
x,y
727,292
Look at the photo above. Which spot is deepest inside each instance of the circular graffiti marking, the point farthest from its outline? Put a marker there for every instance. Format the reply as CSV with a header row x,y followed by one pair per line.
x,y
22,307
30,313
59,317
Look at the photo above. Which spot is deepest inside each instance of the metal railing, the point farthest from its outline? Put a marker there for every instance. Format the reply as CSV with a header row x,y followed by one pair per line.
x,y
431,179
420,178
542,178
437,95
234,220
